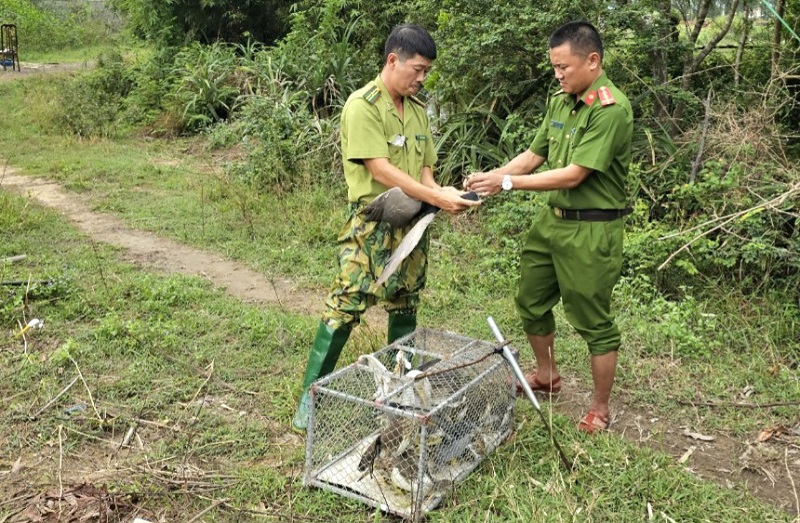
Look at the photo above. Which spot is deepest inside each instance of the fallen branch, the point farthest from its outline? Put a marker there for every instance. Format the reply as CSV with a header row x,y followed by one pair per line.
x,y
21,497
55,398
60,464
140,421
724,220
214,378
791,480
86,386
13,259
109,442
739,404
23,283
207,509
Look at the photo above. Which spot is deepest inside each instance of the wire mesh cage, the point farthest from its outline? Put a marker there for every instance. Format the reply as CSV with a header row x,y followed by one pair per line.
x,y
399,428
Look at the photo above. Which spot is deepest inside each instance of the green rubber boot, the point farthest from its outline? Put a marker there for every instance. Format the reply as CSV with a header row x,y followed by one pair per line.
x,y
400,325
322,359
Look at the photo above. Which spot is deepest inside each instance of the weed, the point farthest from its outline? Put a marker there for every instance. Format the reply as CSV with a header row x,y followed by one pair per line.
x,y
206,88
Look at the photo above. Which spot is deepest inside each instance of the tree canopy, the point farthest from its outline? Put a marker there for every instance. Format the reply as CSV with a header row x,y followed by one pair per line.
x,y
182,21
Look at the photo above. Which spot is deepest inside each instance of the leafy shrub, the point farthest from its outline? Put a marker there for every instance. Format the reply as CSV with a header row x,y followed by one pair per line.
x,y
478,138
149,100
178,23
287,145
733,215
37,29
320,54
90,105
497,50
206,84
40,29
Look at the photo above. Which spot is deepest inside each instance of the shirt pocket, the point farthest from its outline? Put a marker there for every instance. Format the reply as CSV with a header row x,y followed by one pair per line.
x,y
554,149
396,151
576,137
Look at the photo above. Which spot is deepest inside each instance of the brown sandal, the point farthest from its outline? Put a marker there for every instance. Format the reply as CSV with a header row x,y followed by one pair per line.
x,y
554,387
593,422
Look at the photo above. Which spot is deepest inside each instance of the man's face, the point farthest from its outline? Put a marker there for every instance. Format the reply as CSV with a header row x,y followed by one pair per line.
x,y
574,73
407,75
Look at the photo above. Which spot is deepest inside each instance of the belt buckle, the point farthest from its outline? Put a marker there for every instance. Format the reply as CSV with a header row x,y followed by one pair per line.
x,y
558,212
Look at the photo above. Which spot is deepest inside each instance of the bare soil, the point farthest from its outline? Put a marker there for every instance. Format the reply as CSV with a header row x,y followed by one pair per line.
x,y
767,469
30,69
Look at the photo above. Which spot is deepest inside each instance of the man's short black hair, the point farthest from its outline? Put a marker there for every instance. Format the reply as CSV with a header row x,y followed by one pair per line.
x,y
582,37
408,40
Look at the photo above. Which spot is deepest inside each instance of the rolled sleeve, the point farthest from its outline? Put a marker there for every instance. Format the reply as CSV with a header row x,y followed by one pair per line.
x,y
429,156
540,145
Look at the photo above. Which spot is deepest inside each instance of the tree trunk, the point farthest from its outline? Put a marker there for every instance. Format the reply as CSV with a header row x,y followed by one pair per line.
x,y
747,24
693,62
776,38
664,32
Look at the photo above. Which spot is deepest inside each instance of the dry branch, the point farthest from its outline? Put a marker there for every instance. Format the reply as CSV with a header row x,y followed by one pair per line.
x,y
724,220
702,147
55,398
740,404
207,509
13,259
791,480
88,391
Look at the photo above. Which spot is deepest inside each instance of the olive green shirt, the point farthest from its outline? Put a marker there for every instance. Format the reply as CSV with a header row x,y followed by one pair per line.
x,y
372,128
594,132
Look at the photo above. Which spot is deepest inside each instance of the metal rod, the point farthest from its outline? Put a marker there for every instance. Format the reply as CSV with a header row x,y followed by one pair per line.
x,y
528,392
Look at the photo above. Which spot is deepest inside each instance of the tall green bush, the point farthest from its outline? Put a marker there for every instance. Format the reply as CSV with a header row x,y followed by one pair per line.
x,y
207,83
180,22
41,30
90,105
37,30
287,145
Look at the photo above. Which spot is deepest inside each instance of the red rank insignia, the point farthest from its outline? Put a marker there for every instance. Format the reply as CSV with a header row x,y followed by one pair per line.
x,y
590,97
606,98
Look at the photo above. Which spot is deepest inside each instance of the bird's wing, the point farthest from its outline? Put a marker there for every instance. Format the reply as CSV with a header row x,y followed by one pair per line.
x,y
406,246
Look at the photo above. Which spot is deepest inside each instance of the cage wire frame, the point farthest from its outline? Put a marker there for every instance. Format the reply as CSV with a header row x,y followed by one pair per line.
x,y
400,428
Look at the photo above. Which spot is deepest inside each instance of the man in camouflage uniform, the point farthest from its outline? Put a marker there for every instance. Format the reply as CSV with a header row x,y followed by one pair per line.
x,y
573,251
386,143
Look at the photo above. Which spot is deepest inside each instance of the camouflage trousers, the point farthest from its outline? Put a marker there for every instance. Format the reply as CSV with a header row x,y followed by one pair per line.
x,y
364,250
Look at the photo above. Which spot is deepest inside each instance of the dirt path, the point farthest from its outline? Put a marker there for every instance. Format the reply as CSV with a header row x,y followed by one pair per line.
x,y
768,470
148,250
30,69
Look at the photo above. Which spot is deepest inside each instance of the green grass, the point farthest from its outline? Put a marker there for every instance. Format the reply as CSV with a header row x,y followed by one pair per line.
x,y
149,346
64,56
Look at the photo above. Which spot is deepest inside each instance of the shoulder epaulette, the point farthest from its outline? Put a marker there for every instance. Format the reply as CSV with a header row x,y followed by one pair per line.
x,y
606,98
373,94
417,101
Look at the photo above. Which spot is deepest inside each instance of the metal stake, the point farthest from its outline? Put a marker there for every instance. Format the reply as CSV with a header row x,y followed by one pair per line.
x,y
509,356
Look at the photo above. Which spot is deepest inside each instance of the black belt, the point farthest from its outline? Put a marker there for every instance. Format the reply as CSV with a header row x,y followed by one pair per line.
x,y
591,215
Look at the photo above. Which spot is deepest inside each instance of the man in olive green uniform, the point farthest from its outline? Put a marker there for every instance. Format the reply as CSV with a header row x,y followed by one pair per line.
x,y
573,252
386,143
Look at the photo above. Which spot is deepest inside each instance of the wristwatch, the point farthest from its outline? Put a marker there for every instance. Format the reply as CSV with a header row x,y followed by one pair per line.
x,y
507,184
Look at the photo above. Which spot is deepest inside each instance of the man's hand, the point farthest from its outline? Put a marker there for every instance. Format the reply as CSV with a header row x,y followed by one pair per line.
x,y
485,184
450,201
